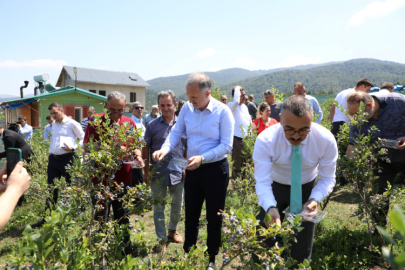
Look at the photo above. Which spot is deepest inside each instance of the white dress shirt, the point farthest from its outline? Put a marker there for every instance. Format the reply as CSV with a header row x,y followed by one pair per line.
x,y
341,99
240,114
272,156
209,132
67,128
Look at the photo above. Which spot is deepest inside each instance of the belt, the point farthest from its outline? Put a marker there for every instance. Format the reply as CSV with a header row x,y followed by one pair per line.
x,y
63,155
205,165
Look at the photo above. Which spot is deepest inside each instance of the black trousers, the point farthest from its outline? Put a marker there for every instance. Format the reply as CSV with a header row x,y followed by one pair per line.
x,y
57,169
336,127
137,177
209,182
303,248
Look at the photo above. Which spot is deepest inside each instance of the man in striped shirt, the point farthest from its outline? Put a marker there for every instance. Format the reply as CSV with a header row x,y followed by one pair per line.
x,y
90,112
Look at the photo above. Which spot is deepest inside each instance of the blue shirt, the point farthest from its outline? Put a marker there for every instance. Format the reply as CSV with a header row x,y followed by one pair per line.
x,y
139,124
209,132
390,120
47,133
316,107
149,118
26,132
155,135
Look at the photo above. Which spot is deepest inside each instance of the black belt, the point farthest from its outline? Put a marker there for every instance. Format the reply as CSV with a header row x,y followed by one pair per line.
x,y
60,156
205,165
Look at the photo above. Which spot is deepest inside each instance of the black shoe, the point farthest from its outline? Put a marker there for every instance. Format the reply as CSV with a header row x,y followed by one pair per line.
x,y
39,224
211,266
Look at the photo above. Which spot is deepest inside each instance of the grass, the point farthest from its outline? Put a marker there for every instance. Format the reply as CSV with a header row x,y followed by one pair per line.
x,y
340,242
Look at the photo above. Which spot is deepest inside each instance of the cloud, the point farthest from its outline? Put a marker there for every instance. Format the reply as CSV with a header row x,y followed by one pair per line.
x,y
39,63
376,9
206,52
213,69
297,60
244,62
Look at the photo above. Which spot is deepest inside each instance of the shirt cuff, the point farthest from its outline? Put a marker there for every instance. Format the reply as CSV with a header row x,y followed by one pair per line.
x,y
165,149
316,195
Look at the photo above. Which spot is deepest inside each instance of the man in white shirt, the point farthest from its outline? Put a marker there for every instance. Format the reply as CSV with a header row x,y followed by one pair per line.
x,y
209,126
65,133
337,117
24,129
242,121
299,89
386,88
272,157
48,129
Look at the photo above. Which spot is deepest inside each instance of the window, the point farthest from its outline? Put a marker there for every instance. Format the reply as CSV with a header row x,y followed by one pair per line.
x,y
132,97
93,91
101,92
78,114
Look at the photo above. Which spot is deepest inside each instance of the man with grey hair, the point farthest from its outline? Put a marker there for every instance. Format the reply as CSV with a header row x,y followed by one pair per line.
x,y
275,105
387,87
90,112
153,115
137,111
164,178
209,127
285,179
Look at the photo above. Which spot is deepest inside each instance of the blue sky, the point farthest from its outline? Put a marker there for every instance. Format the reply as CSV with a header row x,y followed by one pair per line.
x,y
166,38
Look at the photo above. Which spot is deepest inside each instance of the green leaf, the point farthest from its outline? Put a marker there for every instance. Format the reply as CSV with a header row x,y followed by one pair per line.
x,y
388,256
386,235
397,221
49,250
306,263
28,251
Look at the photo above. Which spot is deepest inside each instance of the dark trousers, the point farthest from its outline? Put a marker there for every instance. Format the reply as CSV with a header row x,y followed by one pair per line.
x,y
237,156
209,182
137,177
303,248
57,168
336,127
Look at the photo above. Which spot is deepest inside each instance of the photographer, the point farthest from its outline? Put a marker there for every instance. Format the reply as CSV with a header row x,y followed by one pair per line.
x,y
12,139
24,129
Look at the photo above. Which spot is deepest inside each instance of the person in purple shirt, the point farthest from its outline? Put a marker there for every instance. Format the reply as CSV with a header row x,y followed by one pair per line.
x,y
209,127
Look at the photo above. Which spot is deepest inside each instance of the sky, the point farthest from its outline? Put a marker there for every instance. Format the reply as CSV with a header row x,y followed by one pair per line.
x,y
167,38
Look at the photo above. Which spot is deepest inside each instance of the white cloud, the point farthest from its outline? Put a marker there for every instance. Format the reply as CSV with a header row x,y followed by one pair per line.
x,y
243,62
214,69
376,9
206,52
297,60
39,63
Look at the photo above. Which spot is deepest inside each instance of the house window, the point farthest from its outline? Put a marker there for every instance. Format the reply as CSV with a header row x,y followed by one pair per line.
x,y
101,92
78,114
132,97
93,91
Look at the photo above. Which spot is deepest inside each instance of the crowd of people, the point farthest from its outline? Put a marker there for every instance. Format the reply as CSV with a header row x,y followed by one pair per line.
x,y
292,150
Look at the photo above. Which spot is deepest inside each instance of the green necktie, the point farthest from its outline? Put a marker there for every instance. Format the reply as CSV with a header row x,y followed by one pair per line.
x,y
296,184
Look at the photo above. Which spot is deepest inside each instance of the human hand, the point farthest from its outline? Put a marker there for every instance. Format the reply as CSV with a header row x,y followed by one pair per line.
x,y
275,217
401,143
195,162
140,162
19,180
67,148
3,174
310,209
158,155
19,126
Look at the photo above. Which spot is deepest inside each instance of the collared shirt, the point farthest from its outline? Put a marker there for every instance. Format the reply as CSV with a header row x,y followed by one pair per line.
x,y
390,120
252,108
124,174
84,123
209,132
316,107
139,124
47,133
155,135
148,119
272,156
240,114
68,130
26,132
276,110
381,92
341,99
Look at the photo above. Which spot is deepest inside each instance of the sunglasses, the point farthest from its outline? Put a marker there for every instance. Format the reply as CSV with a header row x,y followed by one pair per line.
x,y
223,99
137,108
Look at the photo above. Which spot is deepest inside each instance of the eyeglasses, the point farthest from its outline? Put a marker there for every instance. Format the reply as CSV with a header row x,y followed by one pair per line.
x,y
223,99
137,108
291,132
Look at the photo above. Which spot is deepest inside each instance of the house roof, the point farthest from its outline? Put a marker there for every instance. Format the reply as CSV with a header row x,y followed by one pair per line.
x,y
61,91
103,77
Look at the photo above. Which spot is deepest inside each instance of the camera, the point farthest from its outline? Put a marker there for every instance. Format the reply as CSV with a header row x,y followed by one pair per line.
x,y
14,126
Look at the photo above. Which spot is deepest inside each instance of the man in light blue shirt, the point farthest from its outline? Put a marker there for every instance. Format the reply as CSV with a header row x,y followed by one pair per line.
x,y
209,127
299,89
137,111
48,129
24,130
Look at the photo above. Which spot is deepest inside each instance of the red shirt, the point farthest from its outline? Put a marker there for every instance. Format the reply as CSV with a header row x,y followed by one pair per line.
x,y
124,174
262,126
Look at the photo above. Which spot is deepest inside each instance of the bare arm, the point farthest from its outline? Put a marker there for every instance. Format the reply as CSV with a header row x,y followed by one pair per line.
x,y
332,112
254,127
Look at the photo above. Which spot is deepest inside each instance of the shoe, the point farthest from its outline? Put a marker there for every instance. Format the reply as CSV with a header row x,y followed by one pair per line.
x,y
161,246
39,224
211,266
175,236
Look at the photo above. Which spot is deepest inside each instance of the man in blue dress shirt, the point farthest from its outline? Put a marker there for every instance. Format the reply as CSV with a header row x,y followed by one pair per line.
x,y
299,89
209,127
24,130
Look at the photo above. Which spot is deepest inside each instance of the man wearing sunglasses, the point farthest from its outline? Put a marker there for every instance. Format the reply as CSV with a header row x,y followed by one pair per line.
x,y
137,111
224,99
288,157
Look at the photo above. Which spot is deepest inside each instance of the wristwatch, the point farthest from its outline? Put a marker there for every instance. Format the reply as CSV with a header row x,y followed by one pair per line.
x,y
202,159
312,199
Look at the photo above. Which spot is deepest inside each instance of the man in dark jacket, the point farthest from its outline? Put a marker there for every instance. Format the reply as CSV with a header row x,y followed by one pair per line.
x,y
12,139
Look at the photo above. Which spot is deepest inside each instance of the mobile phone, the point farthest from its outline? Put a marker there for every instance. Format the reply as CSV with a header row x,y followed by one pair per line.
x,y
13,157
